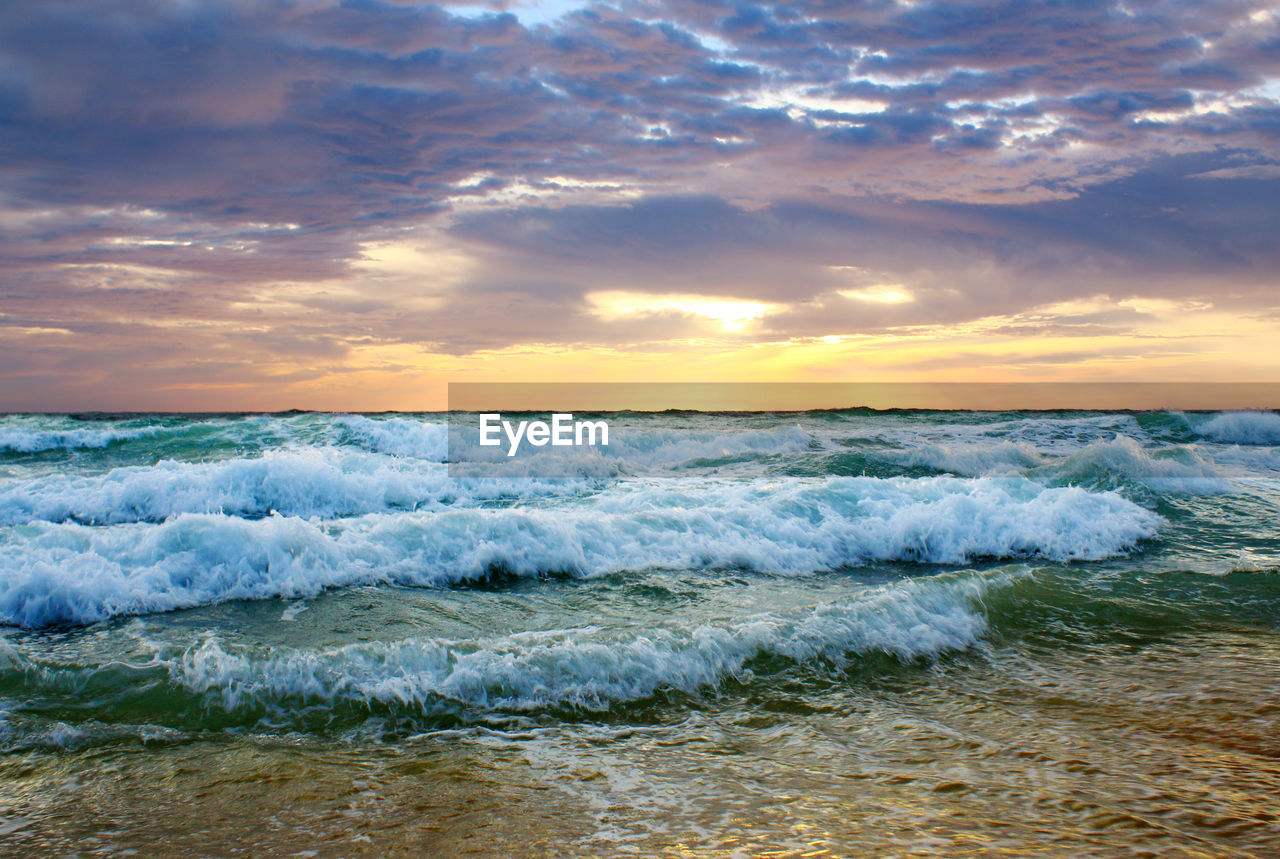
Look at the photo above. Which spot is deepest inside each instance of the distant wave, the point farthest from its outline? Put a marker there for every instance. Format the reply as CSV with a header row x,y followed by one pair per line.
x,y
992,459
1118,462
69,573
683,446
1122,460
36,440
1056,435
1242,428
398,436
306,482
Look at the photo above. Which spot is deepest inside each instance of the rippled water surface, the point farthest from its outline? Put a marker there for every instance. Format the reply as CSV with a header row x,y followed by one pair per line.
x,y
823,633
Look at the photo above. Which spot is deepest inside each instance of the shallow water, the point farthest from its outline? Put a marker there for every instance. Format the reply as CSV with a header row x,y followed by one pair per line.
x,y
817,633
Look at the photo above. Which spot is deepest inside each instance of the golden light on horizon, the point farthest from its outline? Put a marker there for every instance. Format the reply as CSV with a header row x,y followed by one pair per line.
x,y
1172,343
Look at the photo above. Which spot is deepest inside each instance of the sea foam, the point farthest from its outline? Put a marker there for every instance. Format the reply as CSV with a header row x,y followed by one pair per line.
x,y
1242,428
20,440
399,436
306,482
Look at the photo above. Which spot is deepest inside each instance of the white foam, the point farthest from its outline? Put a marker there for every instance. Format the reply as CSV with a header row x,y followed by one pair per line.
x,y
308,482
590,667
20,440
1242,428
73,573
399,436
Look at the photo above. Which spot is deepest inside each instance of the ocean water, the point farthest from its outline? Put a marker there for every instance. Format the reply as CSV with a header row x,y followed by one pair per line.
x,y
819,633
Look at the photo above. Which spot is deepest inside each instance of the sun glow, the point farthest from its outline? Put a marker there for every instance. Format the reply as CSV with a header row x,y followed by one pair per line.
x,y
733,314
881,293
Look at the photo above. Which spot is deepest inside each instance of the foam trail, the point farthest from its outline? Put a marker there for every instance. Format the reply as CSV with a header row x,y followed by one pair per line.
x,y
65,573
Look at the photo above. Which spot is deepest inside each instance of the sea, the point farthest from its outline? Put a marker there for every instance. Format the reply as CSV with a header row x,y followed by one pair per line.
x,y
826,633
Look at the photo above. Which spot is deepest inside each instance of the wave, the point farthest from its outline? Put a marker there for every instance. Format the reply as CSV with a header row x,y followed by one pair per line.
x,y
1058,435
185,438
175,682
1122,461
972,460
408,437
53,574
17,440
1117,463
589,668
310,482
1262,428
397,436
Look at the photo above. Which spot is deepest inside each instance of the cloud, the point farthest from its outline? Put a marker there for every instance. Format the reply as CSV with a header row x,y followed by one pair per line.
x,y
1252,171
213,175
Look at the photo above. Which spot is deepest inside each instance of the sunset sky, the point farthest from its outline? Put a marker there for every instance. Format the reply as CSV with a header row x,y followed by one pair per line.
x,y
270,205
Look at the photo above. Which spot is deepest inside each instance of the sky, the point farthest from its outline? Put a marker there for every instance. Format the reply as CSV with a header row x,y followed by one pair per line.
x,y
346,205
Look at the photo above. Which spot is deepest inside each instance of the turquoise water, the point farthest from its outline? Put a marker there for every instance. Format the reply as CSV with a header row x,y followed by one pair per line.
x,y
815,633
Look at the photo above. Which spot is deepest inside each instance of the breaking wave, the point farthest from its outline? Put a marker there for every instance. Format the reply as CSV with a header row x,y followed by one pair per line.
x,y
308,482
590,668
398,436
70,573
1242,428
17,440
